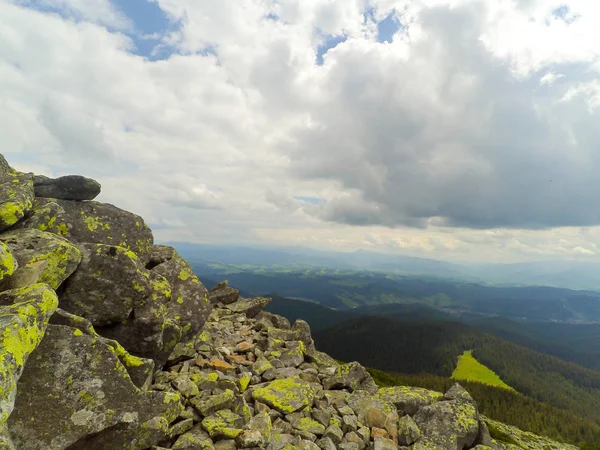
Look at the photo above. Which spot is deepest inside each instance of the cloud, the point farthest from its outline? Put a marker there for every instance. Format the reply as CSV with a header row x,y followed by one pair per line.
x,y
467,132
451,132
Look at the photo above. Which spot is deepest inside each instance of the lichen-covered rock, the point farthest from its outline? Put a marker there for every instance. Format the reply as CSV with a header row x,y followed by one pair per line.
x,y
449,424
521,439
408,431
70,187
196,439
31,246
140,369
123,301
75,393
248,306
209,405
286,396
223,424
351,376
24,317
408,400
16,196
189,306
92,222
8,264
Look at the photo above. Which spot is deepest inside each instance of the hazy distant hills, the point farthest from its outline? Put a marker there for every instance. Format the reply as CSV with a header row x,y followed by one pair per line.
x,y
567,274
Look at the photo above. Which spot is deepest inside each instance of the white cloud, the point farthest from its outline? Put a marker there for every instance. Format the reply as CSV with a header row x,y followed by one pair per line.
x,y
477,115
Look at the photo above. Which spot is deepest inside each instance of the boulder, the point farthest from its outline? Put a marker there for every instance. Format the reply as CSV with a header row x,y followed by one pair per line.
x,y
408,400
140,369
24,315
76,394
92,222
124,301
225,295
16,196
450,424
248,306
189,306
70,187
408,431
286,396
351,376
32,246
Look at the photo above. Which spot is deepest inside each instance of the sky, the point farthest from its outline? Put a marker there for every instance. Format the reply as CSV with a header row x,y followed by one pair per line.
x,y
461,130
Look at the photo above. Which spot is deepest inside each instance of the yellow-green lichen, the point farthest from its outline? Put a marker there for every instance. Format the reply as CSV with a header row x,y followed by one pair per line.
x,y
286,395
94,223
24,324
7,261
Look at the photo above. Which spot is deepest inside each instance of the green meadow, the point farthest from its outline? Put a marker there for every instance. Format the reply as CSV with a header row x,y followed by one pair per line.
x,y
469,369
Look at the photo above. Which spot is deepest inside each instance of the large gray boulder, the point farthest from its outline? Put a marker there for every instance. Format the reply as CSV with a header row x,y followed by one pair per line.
x,y
189,306
123,301
70,187
75,393
24,315
450,424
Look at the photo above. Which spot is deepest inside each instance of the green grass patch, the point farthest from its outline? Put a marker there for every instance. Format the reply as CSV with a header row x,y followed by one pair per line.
x,y
469,369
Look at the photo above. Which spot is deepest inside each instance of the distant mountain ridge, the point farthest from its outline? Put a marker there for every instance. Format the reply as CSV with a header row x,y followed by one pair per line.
x,y
571,274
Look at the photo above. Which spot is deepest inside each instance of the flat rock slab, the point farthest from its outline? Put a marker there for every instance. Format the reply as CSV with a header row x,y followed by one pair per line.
x,y
76,394
70,187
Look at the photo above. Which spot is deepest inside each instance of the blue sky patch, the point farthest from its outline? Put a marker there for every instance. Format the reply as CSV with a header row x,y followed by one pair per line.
x,y
388,27
329,43
564,12
151,25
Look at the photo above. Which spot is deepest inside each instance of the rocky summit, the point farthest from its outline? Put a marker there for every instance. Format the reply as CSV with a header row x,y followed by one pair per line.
x,y
109,341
